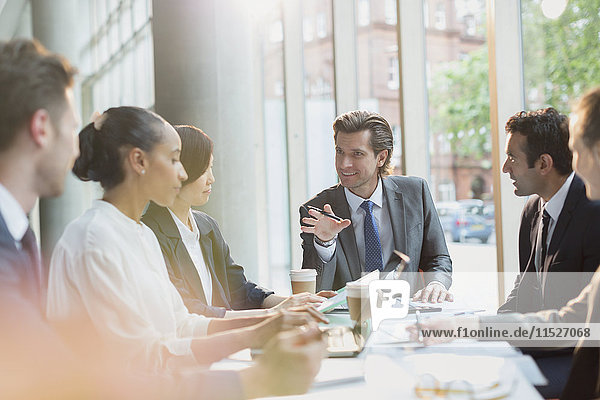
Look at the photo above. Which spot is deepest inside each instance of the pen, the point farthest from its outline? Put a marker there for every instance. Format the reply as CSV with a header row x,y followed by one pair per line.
x,y
468,312
333,217
404,260
418,324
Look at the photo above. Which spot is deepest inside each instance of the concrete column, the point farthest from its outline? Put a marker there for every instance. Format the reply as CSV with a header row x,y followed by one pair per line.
x,y
56,25
204,76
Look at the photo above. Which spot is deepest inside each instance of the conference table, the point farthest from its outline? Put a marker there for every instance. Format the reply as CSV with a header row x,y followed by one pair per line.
x,y
392,367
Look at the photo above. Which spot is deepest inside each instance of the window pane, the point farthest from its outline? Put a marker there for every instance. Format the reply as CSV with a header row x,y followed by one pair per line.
x,y
460,139
278,229
560,56
319,98
378,72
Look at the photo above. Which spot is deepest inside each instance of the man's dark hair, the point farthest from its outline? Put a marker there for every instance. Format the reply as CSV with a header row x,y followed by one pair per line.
x,y
381,133
547,132
31,78
588,110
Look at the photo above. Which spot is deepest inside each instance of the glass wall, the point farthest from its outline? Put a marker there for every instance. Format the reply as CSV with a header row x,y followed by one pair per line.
x,y
319,95
378,69
271,37
460,142
117,62
559,65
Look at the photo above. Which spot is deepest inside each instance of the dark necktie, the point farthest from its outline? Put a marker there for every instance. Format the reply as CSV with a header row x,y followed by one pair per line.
x,y
373,259
545,224
30,248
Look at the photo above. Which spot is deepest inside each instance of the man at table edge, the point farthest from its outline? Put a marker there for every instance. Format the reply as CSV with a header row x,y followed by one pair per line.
x,y
386,213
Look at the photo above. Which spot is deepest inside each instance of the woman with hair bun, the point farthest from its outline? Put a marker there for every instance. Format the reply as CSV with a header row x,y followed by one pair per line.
x,y
197,256
107,268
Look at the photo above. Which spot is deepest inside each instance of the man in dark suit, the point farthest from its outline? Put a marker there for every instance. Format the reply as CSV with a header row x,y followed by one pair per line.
x,y
559,224
38,144
560,227
378,214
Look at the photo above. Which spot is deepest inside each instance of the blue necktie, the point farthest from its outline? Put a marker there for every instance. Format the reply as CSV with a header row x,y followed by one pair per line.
x,y
373,259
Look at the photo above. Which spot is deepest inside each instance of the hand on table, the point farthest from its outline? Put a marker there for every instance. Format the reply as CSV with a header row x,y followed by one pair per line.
x,y
299,316
327,293
301,299
435,292
288,365
322,226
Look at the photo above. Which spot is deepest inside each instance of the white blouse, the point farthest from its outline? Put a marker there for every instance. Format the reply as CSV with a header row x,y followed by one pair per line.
x,y
109,269
191,240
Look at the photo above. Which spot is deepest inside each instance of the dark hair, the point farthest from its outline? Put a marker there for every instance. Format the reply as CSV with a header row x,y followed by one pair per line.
x,y
588,111
547,132
196,149
31,78
381,133
101,155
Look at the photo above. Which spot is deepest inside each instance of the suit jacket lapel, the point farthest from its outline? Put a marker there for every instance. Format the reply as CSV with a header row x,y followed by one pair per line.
x,y
22,266
219,297
347,239
533,237
186,265
395,203
575,194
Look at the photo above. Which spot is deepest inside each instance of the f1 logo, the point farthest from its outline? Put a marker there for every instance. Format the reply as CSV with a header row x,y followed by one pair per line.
x,y
389,300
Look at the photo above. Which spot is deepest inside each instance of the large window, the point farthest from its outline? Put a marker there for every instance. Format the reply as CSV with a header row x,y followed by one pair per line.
x,y
378,70
117,62
460,139
271,38
560,52
319,102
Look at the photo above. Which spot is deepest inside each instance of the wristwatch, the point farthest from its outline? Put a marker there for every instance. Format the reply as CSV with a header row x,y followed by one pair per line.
x,y
328,243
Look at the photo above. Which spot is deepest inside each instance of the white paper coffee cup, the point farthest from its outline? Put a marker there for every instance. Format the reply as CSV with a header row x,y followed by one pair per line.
x,y
303,280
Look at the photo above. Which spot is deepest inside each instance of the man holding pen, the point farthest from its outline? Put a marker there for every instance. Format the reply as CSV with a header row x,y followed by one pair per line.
x,y
386,213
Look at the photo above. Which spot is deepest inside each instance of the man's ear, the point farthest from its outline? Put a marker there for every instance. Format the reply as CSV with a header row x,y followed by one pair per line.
x,y
39,127
381,157
546,163
138,161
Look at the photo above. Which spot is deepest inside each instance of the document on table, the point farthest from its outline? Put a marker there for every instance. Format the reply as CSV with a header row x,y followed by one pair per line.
x,y
339,300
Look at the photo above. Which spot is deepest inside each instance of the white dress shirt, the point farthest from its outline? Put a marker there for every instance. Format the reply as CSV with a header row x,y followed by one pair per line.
x,y
553,207
14,216
357,215
109,269
191,240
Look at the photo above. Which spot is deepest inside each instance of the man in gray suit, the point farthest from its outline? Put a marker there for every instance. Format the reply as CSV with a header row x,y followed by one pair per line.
x,y
386,213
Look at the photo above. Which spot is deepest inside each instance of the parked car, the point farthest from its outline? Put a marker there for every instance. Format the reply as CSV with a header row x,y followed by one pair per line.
x,y
465,219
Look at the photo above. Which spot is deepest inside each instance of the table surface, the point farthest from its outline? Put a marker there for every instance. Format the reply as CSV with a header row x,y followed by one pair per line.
x,y
387,368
